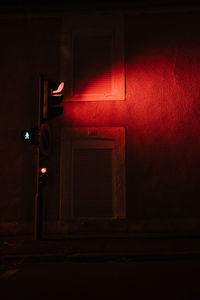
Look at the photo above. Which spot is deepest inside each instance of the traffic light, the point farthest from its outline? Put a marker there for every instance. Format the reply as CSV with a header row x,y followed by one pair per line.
x,y
30,136
43,175
51,97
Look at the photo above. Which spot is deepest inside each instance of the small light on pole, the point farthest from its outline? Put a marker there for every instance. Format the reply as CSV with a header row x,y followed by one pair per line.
x,y
43,170
43,175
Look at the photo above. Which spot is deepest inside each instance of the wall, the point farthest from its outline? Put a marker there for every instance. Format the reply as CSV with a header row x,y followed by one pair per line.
x,y
163,115
160,114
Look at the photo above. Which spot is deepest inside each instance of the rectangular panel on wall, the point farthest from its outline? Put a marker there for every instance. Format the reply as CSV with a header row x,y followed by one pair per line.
x,y
92,61
92,173
92,182
92,58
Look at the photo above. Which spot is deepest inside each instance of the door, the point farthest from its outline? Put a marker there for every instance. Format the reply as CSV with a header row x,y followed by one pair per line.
x,y
93,173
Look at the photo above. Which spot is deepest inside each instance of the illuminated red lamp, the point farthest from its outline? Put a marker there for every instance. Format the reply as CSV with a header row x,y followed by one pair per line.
x,y
43,170
59,91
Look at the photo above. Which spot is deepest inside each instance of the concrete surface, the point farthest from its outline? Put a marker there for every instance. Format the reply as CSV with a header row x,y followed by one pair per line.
x,y
99,248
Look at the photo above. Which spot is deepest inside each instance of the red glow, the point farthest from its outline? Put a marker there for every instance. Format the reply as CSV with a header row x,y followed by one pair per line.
x,y
43,170
158,111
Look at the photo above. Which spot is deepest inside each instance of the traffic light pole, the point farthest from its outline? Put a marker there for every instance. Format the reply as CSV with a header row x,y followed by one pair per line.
x,y
50,96
38,222
38,213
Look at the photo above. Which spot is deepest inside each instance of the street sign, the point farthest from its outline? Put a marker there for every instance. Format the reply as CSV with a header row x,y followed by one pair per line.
x,y
45,139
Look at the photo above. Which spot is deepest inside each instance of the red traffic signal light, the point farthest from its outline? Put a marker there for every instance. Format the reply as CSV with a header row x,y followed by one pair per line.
x,y
52,94
59,91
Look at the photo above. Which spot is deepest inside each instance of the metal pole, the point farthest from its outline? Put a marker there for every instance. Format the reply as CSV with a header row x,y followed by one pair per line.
x,y
38,220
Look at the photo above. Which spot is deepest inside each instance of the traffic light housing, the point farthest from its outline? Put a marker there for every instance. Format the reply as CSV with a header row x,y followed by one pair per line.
x,y
42,175
52,93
